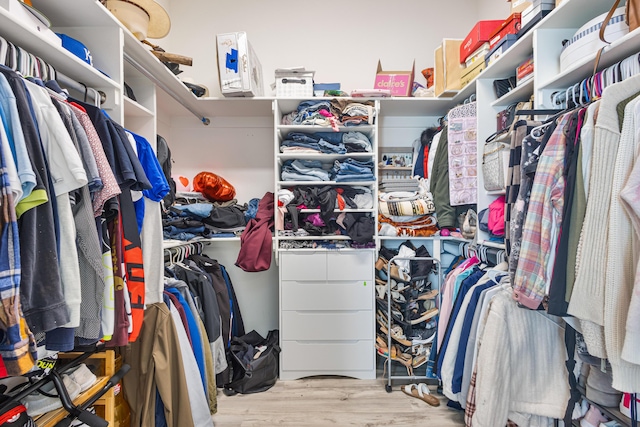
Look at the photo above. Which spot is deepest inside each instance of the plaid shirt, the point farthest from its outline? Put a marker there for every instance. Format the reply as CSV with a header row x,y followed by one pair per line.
x,y
18,348
543,221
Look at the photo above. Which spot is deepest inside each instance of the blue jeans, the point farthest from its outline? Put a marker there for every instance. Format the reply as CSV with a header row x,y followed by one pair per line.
x,y
290,174
358,177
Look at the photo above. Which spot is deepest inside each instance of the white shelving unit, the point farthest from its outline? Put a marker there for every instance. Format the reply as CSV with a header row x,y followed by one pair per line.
x,y
162,100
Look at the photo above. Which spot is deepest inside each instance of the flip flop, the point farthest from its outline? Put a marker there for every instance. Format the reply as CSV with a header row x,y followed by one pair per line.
x,y
421,391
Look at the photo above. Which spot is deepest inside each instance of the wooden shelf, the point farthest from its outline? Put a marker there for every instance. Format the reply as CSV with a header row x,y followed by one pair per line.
x,y
107,401
51,418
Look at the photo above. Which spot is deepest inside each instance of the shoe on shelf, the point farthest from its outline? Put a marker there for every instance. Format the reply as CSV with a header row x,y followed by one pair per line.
x,y
420,269
421,391
405,251
82,375
397,334
415,317
384,255
399,274
38,404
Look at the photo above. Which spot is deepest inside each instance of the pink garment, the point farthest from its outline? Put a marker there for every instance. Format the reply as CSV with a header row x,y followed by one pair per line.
x,y
256,240
495,222
447,296
315,220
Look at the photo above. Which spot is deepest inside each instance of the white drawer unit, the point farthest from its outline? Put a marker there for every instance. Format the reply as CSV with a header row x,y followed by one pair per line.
x,y
327,323
349,358
349,295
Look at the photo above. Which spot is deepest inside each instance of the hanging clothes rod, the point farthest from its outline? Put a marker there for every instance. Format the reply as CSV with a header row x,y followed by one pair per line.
x,y
205,120
98,97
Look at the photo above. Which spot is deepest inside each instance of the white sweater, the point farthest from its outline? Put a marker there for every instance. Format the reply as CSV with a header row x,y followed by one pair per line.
x,y
630,196
587,298
622,255
520,365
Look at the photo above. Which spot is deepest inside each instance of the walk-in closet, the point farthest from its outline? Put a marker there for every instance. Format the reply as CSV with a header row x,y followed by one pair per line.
x,y
359,214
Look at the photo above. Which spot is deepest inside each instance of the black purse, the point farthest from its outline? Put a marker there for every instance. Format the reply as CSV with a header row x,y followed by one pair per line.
x,y
503,86
254,363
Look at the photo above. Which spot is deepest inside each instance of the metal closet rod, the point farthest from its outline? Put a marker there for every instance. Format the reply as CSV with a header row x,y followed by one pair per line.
x,y
99,97
205,120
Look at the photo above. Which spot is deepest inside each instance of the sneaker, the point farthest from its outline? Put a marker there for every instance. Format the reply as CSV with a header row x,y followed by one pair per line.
x,y
83,376
38,404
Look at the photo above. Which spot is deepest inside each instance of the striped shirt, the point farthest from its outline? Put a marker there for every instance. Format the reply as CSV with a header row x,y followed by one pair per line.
x,y
18,348
543,221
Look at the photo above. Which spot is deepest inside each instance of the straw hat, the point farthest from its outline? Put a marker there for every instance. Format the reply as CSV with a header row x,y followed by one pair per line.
x,y
144,18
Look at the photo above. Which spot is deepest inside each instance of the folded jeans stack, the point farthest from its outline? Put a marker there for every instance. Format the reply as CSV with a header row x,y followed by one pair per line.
x,y
304,170
353,170
312,143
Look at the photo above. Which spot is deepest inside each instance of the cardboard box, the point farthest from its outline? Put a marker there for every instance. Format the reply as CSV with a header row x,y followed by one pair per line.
x,y
478,55
471,73
239,69
511,25
524,70
500,49
447,69
398,82
518,6
478,35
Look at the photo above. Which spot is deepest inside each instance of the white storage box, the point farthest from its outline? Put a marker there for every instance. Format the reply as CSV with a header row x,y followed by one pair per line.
x,y
238,65
586,41
294,83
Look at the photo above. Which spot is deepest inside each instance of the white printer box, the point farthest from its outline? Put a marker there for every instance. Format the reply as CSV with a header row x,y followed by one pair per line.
x,y
238,65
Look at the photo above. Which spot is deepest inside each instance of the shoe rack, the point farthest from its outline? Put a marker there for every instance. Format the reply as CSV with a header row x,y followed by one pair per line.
x,y
104,365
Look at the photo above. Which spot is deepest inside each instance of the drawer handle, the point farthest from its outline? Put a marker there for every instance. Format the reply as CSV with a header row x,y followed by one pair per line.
x,y
315,342
332,311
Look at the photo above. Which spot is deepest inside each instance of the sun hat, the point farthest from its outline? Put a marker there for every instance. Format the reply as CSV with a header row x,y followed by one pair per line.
x,y
144,18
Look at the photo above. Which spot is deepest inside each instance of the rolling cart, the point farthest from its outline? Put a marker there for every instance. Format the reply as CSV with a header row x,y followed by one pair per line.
x,y
390,376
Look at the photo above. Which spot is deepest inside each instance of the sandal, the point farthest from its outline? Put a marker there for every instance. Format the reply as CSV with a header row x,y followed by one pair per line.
x,y
399,274
396,334
415,318
421,391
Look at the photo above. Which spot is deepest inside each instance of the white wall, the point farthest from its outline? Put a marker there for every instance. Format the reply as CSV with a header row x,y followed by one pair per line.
x,y
341,41
493,9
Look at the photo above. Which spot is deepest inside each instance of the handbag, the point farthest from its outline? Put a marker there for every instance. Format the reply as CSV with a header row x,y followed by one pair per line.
x,y
254,363
495,161
503,86
507,117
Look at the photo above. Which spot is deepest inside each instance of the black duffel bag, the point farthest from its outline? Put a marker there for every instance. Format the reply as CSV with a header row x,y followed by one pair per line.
x,y
254,363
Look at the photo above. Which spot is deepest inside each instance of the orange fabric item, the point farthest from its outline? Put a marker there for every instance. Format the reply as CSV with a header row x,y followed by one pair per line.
x,y
340,199
214,187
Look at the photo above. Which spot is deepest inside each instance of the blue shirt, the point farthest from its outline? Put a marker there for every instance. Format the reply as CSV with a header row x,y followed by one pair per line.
x,y
458,369
194,332
466,285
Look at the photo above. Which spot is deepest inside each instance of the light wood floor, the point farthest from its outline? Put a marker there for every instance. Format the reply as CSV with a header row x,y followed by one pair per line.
x,y
332,401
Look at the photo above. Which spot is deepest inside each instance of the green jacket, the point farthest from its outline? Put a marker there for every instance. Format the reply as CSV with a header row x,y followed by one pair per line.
x,y
446,214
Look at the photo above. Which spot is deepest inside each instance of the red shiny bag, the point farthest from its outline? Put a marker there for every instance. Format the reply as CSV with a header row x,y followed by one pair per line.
x,y
215,188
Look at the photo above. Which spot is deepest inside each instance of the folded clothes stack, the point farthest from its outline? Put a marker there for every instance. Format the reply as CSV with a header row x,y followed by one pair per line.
x,y
331,112
314,170
391,184
292,220
326,142
207,220
353,170
407,213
